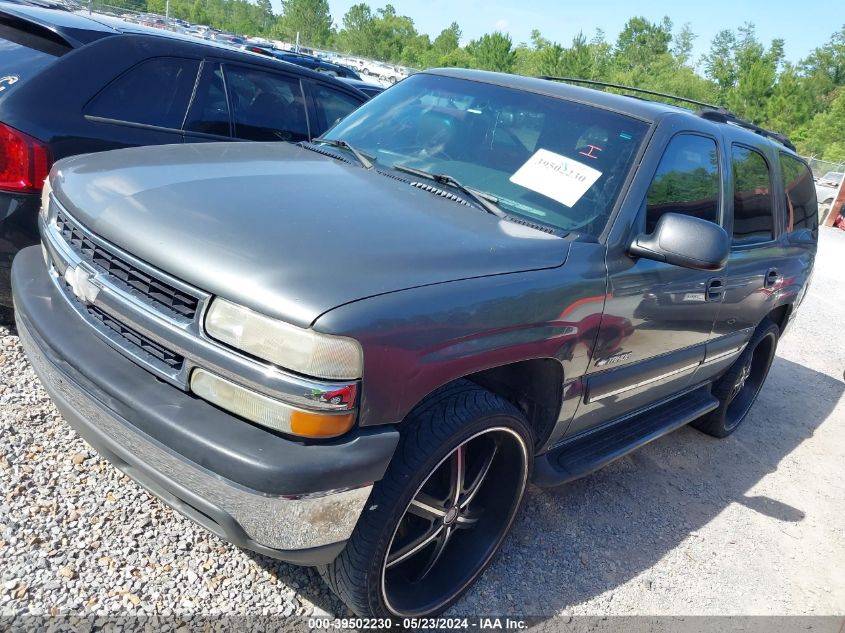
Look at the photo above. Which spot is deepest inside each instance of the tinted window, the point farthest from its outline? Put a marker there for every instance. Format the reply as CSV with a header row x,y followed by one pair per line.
x,y
332,106
155,92
752,197
266,106
687,181
490,138
209,111
800,194
24,52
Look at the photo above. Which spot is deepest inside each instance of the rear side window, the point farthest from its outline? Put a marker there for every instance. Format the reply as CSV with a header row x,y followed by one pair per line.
x,y
332,106
753,222
687,181
25,50
266,106
800,194
154,92
209,113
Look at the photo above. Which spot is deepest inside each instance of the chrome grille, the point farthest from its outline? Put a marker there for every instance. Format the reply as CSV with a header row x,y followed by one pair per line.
x,y
170,359
158,292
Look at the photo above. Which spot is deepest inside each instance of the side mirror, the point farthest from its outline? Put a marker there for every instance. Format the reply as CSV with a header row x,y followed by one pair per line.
x,y
685,241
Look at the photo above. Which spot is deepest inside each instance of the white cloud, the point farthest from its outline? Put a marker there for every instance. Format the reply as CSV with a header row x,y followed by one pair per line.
x,y
501,25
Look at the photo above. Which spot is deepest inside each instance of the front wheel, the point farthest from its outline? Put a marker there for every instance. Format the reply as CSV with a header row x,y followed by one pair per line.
x,y
442,510
738,388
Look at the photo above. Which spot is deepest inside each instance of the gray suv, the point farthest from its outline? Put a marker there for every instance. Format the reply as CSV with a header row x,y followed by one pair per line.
x,y
357,352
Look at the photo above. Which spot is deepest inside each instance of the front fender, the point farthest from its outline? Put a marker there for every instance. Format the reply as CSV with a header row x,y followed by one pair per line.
x,y
417,340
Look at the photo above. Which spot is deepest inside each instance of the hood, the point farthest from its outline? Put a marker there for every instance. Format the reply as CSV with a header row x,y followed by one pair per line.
x,y
284,230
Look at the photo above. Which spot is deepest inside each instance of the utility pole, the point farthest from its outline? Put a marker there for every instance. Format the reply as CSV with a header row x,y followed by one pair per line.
x,y
167,15
296,47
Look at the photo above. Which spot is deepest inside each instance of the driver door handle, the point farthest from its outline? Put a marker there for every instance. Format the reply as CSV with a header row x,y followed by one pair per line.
x,y
772,278
715,289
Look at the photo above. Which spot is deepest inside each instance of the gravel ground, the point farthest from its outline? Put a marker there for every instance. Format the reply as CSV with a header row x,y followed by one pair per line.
x,y
688,525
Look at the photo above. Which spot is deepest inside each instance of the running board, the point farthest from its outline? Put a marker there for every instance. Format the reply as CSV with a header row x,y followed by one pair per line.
x,y
589,451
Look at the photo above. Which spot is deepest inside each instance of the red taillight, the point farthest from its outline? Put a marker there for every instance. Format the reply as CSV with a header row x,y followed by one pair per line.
x,y
24,161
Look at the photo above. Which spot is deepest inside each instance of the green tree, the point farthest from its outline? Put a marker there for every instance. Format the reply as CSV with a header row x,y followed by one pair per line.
x,y
358,35
448,40
493,51
641,42
310,18
824,136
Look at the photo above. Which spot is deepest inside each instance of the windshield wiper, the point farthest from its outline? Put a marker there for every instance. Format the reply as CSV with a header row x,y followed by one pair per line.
x,y
481,199
366,163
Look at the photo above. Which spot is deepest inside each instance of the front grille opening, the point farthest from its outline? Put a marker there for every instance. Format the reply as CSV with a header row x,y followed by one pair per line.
x,y
162,354
154,290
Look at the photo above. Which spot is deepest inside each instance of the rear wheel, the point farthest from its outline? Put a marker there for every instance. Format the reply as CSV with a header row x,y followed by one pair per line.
x,y
443,509
738,388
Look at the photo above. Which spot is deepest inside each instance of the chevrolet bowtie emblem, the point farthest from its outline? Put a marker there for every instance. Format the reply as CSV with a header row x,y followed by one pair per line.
x,y
81,283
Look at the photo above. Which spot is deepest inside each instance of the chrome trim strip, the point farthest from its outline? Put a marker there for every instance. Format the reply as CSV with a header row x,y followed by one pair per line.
x,y
723,355
643,383
182,337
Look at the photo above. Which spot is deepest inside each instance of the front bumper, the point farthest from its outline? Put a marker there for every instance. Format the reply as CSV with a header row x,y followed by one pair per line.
x,y
291,500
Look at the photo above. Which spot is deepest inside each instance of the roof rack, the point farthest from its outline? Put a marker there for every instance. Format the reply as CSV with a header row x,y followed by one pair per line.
x,y
720,115
708,111
591,82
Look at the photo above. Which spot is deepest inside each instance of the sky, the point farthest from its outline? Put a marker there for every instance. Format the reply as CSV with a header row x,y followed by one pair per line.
x,y
802,29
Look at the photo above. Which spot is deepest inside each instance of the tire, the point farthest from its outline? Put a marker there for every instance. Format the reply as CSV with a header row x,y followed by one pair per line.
x,y
415,559
738,388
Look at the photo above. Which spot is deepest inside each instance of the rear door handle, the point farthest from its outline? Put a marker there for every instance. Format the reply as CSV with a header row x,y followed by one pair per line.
x,y
715,289
772,278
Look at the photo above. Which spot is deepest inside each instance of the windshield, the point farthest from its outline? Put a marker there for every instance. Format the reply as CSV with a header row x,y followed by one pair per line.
x,y
544,158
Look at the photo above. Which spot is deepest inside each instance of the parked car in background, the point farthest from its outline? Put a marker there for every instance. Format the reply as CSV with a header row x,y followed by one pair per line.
x,y
127,85
358,352
307,61
827,187
369,89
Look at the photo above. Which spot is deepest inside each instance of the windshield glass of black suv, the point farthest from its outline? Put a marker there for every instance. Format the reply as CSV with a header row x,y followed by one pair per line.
x,y
544,158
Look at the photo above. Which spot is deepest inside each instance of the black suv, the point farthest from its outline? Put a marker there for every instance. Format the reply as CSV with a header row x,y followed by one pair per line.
x,y
358,353
73,84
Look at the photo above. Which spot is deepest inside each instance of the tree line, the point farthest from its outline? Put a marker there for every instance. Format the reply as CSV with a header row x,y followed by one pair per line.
x,y
805,100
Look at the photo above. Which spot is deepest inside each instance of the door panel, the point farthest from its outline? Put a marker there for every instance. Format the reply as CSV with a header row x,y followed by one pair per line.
x,y
651,340
658,317
755,270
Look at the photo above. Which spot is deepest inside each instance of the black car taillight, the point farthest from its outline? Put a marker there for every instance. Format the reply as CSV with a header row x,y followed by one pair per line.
x,y
24,161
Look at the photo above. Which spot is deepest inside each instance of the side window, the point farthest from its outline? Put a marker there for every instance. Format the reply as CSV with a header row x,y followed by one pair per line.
x,y
266,106
332,106
209,113
800,194
753,222
154,92
687,181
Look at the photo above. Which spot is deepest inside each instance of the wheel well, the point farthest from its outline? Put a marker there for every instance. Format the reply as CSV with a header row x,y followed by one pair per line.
x,y
780,315
534,386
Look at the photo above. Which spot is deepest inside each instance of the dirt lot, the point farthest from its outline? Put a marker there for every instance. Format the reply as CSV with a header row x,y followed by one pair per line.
x,y
689,525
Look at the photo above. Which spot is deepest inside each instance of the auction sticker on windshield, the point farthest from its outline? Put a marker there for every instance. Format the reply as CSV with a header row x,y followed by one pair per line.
x,y
555,176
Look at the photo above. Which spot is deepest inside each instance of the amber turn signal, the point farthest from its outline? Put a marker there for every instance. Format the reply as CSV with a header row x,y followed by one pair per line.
x,y
309,424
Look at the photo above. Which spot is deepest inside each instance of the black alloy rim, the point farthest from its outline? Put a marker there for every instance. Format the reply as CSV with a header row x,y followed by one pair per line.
x,y
455,522
749,381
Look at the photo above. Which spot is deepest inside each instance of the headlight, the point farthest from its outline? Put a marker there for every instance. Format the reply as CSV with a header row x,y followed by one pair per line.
x,y
300,350
267,411
46,190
